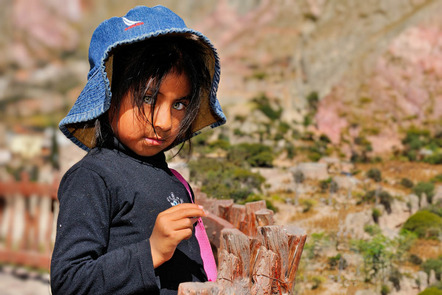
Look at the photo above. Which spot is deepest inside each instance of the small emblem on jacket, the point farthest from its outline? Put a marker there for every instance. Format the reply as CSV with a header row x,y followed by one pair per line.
x,y
130,23
174,200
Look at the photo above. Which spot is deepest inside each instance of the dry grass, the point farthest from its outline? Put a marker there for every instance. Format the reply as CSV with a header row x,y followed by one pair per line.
x,y
426,249
304,216
415,171
326,223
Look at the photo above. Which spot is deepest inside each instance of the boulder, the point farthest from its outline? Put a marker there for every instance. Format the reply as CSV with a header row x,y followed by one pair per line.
x,y
413,202
437,194
313,170
422,280
432,278
423,202
345,182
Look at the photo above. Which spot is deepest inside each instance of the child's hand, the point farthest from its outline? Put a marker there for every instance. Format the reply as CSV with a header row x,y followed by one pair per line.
x,y
171,227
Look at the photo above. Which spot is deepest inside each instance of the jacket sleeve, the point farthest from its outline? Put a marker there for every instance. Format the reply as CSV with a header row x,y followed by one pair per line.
x,y
80,261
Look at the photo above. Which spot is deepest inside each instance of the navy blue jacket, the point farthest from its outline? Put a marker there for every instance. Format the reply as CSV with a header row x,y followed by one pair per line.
x,y
109,202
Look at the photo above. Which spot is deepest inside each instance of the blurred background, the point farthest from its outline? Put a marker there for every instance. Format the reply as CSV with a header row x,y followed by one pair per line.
x,y
334,115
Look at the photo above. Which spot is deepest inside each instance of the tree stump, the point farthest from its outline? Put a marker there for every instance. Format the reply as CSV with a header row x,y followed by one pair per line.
x,y
254,255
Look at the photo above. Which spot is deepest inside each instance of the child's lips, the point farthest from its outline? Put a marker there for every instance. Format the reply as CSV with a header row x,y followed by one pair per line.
x,y
154,141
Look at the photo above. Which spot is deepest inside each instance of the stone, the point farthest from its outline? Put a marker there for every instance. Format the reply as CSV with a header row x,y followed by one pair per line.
x,y
313,170
432,278
422,280
345,182
423,202
437,194
413,202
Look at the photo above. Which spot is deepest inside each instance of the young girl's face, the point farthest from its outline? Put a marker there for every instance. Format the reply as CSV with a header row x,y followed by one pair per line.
x,y
147,138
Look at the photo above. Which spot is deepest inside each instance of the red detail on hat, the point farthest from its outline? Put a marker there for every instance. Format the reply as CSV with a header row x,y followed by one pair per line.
x,y
134,25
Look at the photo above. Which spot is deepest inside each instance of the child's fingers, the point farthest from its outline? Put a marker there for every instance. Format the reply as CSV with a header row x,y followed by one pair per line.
x,y
184,211
171,227
184,234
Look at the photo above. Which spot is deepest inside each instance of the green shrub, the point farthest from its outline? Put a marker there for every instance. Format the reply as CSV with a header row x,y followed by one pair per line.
x,y
424,224
291,151
377,255
385,199
416,260
263,104
223,179
220,143
385,290
431,291
395,277
437,178
283,127
308,120
426,188
337,262
313,101
323,184
375,214
434,159
307,204
374,174
435,208
317,281
433,264
298,176
255,154
369,197
417,139
405,182
372,230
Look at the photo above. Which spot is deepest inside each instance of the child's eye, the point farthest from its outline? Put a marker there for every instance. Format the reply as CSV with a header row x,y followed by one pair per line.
x,y
148,99
179,105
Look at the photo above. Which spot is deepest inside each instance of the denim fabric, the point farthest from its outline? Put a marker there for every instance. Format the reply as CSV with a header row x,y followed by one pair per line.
x,y
139,24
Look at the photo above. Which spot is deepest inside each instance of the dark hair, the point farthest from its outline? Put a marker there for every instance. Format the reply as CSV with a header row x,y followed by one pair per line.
x,y
145,64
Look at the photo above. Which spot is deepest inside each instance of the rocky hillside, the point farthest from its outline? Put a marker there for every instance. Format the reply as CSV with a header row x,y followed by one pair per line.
x,y
374,64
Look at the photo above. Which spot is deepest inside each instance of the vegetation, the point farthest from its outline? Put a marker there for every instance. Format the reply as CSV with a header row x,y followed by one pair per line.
x,y
377,255
435,265
417,140
337,262
224,179
385,290
426,188
263,104
431,291
407,183
374,174
424,224
254,154
375,214
383,197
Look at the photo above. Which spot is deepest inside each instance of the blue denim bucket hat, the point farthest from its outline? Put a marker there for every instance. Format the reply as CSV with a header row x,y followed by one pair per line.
x,y
139,24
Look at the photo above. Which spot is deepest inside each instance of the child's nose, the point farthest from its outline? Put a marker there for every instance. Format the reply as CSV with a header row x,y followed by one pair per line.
x,y
163,118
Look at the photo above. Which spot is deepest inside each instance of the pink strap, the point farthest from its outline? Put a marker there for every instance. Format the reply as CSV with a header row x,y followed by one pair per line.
x,y
201,236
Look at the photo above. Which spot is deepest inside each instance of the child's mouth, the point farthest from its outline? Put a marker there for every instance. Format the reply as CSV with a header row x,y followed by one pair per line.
x,y
154,141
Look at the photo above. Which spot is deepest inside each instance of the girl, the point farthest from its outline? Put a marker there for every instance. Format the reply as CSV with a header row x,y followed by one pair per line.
x,y
126,223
